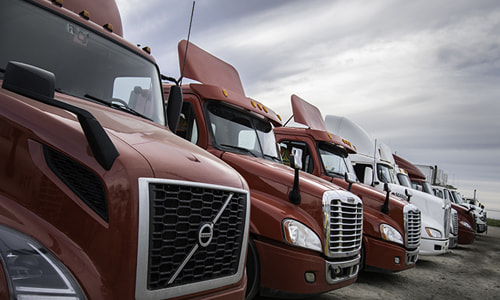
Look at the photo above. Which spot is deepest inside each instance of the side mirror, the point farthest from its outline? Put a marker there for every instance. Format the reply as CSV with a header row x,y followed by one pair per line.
x,y
409,194
350,178
385,206
296,159
29,80
368,176
296,163
174,107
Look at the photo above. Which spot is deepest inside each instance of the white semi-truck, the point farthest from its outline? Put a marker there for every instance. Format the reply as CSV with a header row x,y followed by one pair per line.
x,y
375,166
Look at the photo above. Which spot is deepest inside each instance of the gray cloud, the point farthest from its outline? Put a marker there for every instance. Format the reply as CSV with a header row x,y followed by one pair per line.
x,y
421,76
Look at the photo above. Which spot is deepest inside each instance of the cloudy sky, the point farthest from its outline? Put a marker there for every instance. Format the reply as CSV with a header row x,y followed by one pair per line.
x,y
421,76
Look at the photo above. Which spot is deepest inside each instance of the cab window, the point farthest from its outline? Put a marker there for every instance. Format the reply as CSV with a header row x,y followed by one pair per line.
x,y
307,160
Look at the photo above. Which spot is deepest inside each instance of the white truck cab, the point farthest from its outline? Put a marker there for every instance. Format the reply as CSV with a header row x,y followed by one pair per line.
x,y
375,166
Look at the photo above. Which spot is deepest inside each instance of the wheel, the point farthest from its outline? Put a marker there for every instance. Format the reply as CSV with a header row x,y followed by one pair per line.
x,y
253,271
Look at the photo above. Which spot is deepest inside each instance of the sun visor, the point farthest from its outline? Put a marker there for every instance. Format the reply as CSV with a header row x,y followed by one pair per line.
x,y
307,114
208,69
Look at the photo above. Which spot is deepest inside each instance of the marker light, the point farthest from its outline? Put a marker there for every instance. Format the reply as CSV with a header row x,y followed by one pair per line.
x,y
58,2
85,14
147,50
253,104
224,92
108,27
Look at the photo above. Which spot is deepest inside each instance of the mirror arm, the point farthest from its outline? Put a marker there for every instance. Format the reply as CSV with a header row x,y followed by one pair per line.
x,y
385,207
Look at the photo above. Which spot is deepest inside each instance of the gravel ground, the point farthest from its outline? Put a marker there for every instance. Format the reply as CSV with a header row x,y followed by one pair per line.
x,y
466,272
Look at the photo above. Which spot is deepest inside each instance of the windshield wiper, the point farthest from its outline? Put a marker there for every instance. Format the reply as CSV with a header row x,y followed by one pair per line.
x,y
239,148
335,174
117,104
273,158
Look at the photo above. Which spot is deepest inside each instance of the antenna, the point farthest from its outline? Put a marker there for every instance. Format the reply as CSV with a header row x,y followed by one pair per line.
x,y
289,119
187,44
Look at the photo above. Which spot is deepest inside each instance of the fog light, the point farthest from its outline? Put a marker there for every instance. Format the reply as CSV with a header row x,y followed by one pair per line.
x,y
396,260
310,277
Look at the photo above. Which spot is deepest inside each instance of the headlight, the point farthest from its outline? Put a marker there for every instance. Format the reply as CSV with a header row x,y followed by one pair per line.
x,y
433,232
33,272
466,224
298,234
389,233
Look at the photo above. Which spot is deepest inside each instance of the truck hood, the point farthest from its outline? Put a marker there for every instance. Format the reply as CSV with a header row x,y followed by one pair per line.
x,y
433,209
280,176
165,154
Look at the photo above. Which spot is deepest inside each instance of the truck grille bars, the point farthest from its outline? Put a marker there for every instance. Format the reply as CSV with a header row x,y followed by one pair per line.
x,y
343,224
413,223
191,237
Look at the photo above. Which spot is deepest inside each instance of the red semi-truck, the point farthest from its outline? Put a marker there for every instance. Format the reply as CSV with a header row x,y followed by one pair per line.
x,y
391,238
305,233
98,199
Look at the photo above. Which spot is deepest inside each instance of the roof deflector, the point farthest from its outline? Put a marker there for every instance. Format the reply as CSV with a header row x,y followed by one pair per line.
x,y
208,69
307,114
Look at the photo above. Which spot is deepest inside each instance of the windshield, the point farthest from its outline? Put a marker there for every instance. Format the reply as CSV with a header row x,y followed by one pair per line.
x,y
241,132
457,197
335,160
404,180
427,187
86,64
385,174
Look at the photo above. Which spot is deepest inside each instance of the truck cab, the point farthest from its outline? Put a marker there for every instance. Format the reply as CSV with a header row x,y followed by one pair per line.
x,y
98,199
374,165
465,220
391,236
479,223
305,233
404,180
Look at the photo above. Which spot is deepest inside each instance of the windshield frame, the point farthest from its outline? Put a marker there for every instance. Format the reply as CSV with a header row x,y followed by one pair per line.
x,y
91,63
404,180
427,187
265,142
333,150
381,167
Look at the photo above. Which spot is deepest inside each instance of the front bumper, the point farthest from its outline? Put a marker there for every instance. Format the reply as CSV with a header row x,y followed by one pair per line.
x,y
453,241
433,246
386,256
286,271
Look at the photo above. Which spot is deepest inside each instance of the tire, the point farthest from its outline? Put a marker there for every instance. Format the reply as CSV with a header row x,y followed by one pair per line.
x,y
253,271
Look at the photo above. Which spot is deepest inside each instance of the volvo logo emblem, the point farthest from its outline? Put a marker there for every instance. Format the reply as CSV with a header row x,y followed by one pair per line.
x,y
205,234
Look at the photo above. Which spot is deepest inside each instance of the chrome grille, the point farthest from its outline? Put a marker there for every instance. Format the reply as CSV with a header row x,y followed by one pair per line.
x,y
447,222
454,222
344,226
413,225
193,237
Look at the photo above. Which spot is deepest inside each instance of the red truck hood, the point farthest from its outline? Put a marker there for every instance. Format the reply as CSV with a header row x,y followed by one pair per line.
x,y
166,155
